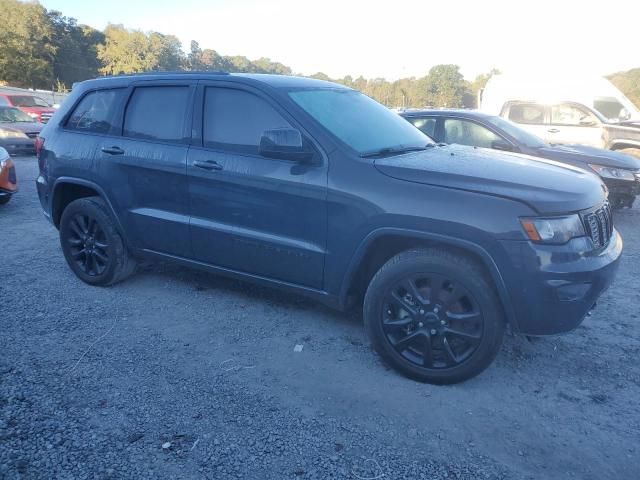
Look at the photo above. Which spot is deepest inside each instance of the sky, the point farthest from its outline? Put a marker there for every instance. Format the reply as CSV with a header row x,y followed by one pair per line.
x,y
393,38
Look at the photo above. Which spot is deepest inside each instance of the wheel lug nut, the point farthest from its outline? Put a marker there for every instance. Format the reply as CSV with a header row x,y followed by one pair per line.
x,y
420,324
436,310
442,322
421,311
433,331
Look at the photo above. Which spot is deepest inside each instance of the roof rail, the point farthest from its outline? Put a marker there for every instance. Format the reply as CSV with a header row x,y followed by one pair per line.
x,y
177,72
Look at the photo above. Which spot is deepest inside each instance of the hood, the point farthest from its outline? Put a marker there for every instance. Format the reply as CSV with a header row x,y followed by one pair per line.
x,y
584,154
25,127
546,186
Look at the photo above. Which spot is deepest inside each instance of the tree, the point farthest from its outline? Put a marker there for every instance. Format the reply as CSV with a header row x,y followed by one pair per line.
x,y
27,51
444,86
628,83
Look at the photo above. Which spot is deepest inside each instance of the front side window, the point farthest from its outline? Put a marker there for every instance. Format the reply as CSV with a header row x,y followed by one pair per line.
x,y
96,111
235,119
157,113
464,132
571,115
528,113
425,125
521,136
357,120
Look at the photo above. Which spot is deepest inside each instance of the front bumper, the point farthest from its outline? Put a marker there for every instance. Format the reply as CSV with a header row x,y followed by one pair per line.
x,y
553,287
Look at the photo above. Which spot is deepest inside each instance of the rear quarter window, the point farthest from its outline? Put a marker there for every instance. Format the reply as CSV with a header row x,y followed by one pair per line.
x,y
96,111
527,113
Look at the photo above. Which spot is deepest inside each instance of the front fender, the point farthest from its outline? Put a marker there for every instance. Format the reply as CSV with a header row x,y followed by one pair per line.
x,y
473,248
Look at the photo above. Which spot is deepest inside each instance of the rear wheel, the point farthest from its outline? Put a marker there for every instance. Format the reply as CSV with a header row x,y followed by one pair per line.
x,y
91,243
434,316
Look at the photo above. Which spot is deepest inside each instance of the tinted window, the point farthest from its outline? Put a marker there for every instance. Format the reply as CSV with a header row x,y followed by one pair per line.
x,y
12,114
96,111
157,113
357,120
28,101
426,125
609,107
463,132
527,113
571,115
235,119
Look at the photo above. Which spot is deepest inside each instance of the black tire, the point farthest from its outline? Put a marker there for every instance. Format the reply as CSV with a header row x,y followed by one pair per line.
x,y
92,245
618,202
463,311
5,199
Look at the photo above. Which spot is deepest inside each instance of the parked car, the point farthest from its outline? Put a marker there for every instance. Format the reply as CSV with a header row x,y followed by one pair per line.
x,y
8,180
619,172
316,188
18,131
37,108
565,110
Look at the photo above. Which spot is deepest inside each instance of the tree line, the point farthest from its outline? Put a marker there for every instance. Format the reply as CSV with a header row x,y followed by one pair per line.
x,y
42,48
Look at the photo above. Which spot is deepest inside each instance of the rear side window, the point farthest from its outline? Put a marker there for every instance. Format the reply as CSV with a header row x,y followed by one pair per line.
x,y
96,111
157,113
463,132
528,113
425,125
235,119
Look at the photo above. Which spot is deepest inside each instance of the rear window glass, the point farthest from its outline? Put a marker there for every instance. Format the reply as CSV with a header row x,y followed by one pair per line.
x,y
96,111
157,113
28,101
529,113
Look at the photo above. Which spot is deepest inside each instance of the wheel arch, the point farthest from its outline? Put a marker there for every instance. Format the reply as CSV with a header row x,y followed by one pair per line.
x,y
67,189
382,244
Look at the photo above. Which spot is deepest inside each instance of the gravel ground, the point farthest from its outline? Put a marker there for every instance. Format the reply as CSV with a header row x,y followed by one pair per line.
x,y
181,374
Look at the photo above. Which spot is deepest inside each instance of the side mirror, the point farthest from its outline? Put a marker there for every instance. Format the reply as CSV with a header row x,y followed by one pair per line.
x,y
624,114
284,143
502,145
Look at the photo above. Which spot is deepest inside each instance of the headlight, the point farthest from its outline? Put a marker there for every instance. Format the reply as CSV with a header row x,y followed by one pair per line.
x,y
11,134
555,230
611,172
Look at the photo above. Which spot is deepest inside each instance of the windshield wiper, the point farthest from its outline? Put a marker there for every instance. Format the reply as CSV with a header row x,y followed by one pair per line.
x,y
388,151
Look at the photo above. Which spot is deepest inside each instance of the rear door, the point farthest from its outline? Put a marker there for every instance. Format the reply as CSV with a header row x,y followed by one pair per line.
x,y
427,125
571,123
258,215
144,169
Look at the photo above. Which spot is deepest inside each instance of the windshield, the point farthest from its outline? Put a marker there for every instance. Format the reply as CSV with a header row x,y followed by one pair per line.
x,y
27,101
521,136
13,115
360,122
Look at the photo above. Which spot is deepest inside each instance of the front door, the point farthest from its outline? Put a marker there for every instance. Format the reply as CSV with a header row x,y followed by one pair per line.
x,y
572,124
249,213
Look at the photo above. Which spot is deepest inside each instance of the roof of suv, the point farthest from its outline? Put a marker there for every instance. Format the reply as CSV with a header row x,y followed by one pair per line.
x,y
445,112
276,81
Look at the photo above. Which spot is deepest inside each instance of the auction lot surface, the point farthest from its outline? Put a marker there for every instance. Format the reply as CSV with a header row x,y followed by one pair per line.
x,y
95,382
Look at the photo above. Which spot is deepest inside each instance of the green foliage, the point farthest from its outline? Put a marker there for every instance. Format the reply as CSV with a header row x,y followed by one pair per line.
x,y
628,83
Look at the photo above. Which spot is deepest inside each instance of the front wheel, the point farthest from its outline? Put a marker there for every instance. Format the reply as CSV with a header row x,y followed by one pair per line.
x,y
434,316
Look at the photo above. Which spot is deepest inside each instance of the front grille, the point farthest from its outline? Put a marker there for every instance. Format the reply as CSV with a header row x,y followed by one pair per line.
x,y
599,225
31,134
45,117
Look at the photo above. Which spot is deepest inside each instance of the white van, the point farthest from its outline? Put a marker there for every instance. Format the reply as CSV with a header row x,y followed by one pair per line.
x,y
585,111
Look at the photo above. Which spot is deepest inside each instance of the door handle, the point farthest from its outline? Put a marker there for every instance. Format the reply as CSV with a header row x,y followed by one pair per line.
x,y
207,164
553,130
113,150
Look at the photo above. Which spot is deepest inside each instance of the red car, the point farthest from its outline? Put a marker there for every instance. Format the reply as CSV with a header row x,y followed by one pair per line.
x,y
35,107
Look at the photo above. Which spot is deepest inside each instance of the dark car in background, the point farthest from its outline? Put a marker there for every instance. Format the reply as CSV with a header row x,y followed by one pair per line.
x,y
36,107
18,131
619,172
315,188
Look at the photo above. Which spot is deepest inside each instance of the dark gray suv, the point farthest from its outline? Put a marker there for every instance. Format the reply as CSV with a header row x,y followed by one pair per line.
x,y
316,188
